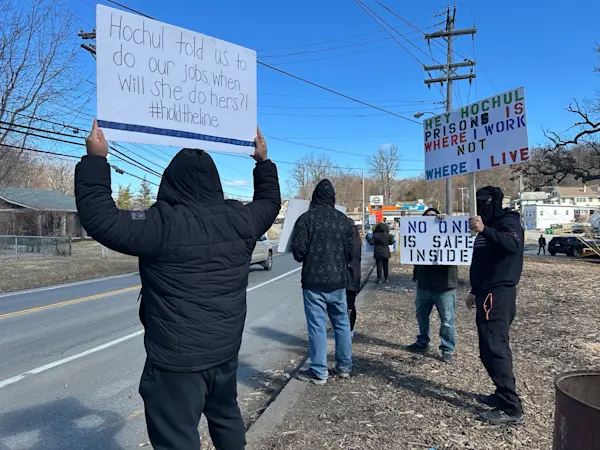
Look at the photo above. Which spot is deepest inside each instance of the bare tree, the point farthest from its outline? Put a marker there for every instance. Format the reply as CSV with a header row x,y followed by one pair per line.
x,y
308,171
37,53
575,156
384,165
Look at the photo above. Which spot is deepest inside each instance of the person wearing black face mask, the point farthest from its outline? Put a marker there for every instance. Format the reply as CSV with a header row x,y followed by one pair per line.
x,y
495,272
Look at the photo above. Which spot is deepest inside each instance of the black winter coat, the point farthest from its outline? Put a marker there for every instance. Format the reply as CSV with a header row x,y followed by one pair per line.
x,y
381,240
194,252
323,242
498,255
354,273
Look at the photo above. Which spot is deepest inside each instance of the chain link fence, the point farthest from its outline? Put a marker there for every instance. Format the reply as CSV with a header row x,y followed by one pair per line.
x,y
38,247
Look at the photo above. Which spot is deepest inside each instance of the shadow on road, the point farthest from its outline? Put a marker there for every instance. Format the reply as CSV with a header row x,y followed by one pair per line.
x,y
61,424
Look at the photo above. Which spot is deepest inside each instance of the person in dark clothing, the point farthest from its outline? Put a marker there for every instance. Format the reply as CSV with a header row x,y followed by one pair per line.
x,y
323,241
495,272
354,277
194,250
381,240
542,243
436,285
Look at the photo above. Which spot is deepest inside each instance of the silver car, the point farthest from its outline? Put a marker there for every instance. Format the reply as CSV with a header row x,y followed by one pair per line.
x,y
263,253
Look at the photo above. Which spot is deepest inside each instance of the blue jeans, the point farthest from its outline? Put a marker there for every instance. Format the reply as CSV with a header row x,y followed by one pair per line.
x,y
445,302
317,306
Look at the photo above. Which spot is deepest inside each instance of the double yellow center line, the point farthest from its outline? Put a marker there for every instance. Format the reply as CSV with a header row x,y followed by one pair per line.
x,y
70,302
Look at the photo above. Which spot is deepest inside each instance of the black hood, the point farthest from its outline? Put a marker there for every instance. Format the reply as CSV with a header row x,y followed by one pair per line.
x,y
382,228
489,204
324,194
191,179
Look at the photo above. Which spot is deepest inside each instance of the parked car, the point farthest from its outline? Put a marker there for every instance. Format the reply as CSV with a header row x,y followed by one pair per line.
x,y
263,253
567,245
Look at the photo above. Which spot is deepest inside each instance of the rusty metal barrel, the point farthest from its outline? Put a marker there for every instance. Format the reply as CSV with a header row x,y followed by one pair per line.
x,y
577,411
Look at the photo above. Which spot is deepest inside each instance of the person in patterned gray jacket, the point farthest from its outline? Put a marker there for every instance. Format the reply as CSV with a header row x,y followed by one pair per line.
x,y
323,241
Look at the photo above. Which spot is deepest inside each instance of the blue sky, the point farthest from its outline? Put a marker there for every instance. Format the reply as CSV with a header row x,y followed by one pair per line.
x,y
545,46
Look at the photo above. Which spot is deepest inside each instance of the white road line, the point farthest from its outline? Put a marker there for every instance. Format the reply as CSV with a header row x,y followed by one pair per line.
x,y
60,362
60,286
112,343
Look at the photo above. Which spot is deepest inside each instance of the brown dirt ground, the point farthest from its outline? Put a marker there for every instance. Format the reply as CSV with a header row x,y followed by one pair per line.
x,y
85,263
399,401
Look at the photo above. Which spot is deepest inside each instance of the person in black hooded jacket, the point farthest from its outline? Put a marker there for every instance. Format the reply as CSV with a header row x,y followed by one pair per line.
x,y
381,240
194,250
323,241
495,272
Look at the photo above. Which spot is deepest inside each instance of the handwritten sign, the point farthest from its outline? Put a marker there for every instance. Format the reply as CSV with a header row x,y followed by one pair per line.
x,y
164,85
483,135
426,241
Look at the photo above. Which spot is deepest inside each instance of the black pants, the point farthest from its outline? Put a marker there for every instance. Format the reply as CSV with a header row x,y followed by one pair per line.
x,y
351,301
542,247
495,313
174,402
382,269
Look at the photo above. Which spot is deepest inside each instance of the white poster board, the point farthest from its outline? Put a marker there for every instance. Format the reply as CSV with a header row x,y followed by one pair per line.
x,y
164,85
295,209
483,135
426,241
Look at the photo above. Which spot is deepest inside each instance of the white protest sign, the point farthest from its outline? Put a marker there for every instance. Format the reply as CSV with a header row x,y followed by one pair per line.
x,y
164,85
295,209
426,240
483,135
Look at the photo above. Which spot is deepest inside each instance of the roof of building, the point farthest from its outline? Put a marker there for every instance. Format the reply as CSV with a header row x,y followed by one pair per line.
x,y
577,191
534,195
39,200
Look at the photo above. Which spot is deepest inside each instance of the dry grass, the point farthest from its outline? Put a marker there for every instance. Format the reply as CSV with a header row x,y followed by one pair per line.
x,y
399,401
85,263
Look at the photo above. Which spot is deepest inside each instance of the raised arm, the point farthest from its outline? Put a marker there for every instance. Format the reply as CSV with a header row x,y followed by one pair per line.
x,y
267,196
506,239
136,233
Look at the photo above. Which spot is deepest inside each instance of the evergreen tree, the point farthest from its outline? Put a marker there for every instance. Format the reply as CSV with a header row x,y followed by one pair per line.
x,y
145,196
124,198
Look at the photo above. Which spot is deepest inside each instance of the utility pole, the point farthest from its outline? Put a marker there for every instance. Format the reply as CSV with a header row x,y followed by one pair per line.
x,y
450,75
462,198
362,213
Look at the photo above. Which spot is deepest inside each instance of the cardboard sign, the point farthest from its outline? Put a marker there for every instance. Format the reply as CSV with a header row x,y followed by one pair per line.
x,y
164,85
426,240
483,135
295,209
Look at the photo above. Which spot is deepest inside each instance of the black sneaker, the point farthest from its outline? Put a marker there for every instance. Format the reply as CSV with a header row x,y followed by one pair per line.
x,y
417,348
491,400
499,417
310,377
385,282
447,357
342,374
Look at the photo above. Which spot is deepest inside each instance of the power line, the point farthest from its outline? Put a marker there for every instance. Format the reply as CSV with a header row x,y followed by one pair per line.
x,y
376,18
64,155
335,40
312,83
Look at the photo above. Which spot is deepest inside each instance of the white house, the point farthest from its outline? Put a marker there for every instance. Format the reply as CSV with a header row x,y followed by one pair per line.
x,y
579,196
540,217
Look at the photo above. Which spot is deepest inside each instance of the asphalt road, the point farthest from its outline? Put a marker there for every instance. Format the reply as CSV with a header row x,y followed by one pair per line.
x,y
71,357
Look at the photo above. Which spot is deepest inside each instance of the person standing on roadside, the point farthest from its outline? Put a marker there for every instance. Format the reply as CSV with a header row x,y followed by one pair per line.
x,y
194,250
436,285
542,244
323,241
381,240
354,277
495,272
